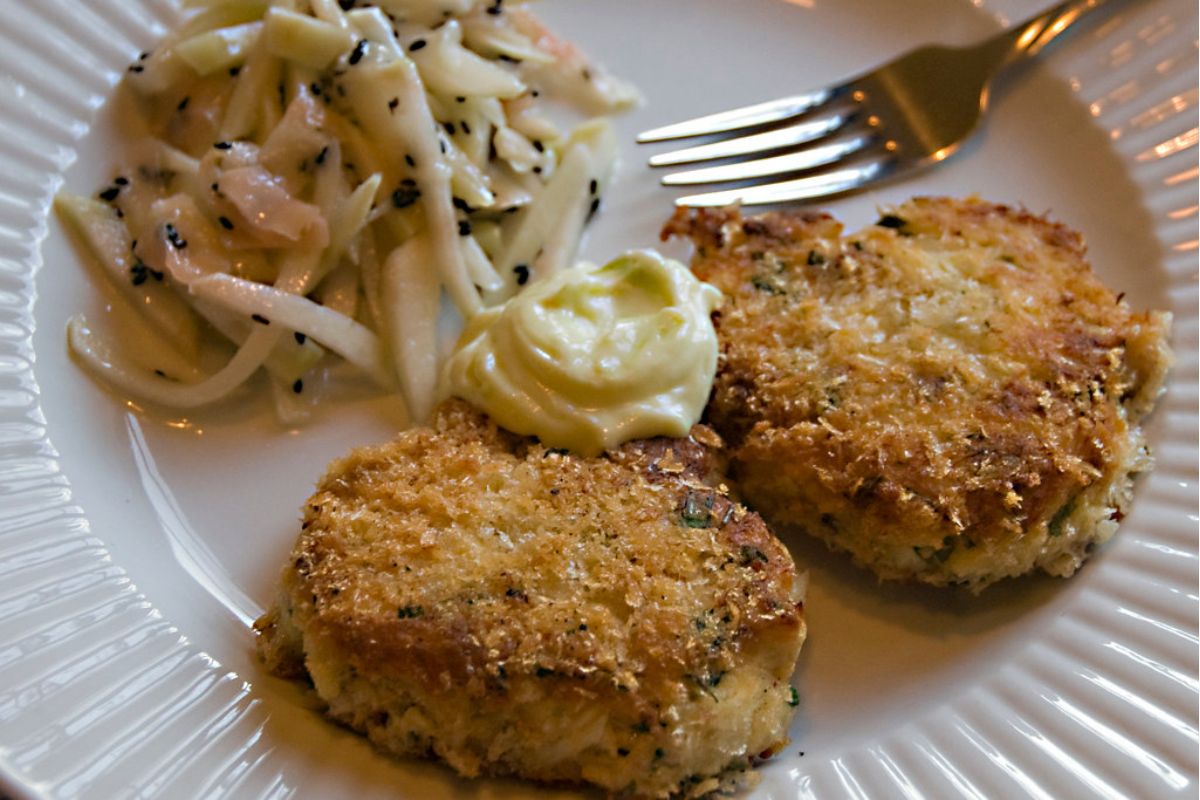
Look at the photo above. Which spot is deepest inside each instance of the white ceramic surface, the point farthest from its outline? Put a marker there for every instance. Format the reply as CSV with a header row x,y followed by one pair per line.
x,y
134,551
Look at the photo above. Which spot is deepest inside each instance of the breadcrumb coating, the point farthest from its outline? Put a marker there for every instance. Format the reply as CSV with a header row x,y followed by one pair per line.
x,y
468,594
950,395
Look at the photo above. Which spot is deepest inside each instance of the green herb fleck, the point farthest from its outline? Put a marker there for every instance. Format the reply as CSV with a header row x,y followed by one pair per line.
x,y
765,285
1060,517
751,554
697,510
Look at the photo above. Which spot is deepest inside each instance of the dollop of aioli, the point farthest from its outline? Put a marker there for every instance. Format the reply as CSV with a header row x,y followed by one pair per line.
x,y
593,357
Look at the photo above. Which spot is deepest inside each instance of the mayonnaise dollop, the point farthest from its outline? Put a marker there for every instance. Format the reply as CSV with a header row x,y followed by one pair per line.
x,y
593,357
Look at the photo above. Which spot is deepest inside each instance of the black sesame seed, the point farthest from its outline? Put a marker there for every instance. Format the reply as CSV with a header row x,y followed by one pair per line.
x,y
393,104
300,337
260,319
346,4
233,71
360,50
522,273
177,241
183,104
298,386
508,58
223,145
110,194
465,127
460,99
121,181
537,170
461,205
320,159
537,145
226,223
405,196
464,228
417,45
412,162
449,126
137,68
594,208
593,187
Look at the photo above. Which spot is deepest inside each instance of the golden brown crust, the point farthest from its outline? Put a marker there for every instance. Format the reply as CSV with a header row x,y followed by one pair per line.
x,y
462,562
952,378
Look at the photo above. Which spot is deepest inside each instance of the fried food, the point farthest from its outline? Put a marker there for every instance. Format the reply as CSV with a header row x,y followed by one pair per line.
x,y
468,594
950,395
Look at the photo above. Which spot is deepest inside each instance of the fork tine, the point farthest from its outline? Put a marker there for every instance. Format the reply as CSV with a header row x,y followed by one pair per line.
x,y
820,185
737,118
798,161
756,143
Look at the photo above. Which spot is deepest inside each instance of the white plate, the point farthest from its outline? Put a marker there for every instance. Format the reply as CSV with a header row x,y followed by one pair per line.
x,y
133,553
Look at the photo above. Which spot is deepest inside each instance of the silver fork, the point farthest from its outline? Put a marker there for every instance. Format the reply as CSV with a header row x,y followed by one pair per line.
x,y
907,114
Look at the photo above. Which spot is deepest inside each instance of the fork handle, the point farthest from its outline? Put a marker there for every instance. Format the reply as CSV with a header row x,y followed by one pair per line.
x,y
1029,37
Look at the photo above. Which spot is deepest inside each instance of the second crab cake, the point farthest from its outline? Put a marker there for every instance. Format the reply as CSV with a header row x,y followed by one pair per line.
x,y
469,594
950,394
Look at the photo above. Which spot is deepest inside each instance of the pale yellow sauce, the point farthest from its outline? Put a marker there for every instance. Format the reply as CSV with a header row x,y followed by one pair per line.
x,y
594,357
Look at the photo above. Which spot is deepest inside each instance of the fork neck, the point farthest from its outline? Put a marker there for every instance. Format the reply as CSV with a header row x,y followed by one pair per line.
x,y
1030,37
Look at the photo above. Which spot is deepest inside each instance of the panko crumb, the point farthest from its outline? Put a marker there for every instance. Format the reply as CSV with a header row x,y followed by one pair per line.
x,y
466,594
950,394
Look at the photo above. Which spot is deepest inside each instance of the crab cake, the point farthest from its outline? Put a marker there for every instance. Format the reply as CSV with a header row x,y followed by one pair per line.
x,y
468,594
950,395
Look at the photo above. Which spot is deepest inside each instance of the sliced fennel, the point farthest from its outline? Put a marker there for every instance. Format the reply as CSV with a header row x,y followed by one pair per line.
x,y
304,182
